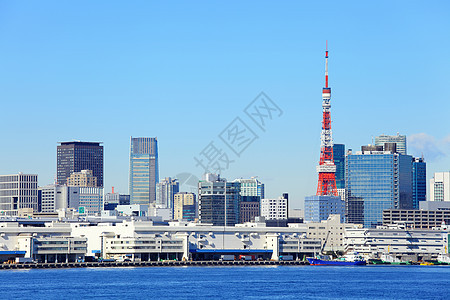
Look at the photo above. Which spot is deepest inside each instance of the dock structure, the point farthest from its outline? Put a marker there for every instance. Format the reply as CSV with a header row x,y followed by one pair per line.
x,y
172,263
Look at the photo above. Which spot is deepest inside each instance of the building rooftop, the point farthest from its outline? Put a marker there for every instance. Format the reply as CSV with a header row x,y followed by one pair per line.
x,y
80,143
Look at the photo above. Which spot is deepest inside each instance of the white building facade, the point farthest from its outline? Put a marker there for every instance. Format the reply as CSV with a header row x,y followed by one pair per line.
x,y
53,197
440,187
274,209
18,191
399,241
147,241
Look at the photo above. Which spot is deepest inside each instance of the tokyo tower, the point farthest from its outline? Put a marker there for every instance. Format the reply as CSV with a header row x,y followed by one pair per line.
x,y
326,167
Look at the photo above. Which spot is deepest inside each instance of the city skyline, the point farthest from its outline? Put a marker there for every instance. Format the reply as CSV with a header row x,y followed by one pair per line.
x,y
185,84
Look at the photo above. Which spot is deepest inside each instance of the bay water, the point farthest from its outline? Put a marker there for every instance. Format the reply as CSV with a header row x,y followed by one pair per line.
x,y
229,282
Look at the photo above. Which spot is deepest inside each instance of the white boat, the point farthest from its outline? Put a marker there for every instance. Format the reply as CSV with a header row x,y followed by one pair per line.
x,y
443,258
386,257
352,256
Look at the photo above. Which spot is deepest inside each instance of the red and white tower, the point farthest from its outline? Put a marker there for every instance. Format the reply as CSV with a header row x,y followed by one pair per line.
x,y
326,167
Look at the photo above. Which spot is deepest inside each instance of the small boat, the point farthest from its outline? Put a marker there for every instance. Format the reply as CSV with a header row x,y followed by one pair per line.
x,y
390,259
376,261
443,259
350,259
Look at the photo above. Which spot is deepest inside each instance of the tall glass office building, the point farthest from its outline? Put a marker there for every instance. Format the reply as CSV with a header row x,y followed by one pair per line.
x,y
419,181
144,173
375,181
339,162
319,208
218,201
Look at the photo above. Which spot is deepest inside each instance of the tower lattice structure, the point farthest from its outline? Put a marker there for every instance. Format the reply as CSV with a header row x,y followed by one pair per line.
x,y
326,167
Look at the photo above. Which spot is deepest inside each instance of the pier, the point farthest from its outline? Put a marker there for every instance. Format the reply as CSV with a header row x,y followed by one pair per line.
x,y
168,263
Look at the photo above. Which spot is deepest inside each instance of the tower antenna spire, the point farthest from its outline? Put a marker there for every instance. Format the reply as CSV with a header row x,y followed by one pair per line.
x,y
326,167
326,64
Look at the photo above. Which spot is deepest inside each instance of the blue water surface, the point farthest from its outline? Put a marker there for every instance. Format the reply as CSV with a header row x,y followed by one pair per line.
x,y
243,282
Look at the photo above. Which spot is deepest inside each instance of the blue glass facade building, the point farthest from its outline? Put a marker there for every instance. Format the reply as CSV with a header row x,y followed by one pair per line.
x,y
189,212
219,202
419,181
318,208
375,181
339,162
144,173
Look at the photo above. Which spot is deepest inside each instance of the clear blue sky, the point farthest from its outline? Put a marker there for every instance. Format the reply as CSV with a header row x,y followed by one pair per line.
x,y
108,70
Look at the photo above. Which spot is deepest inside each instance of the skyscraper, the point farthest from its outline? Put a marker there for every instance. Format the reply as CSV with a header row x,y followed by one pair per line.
x,y
440,187
400,140
76,156
219,201
144,174
419,181
375,181
339,162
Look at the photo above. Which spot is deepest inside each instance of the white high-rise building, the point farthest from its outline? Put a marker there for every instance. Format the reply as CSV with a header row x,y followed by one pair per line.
x,y
440,187
18,191
274,209
165,191
53,197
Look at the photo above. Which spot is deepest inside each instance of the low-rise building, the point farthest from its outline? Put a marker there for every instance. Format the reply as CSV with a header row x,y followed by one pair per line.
x,y
330,232
139,240
43,241
420,219
112,200
400,241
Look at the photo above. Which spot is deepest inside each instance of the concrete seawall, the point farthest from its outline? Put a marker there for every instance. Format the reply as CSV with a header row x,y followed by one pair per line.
x,y
149,264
